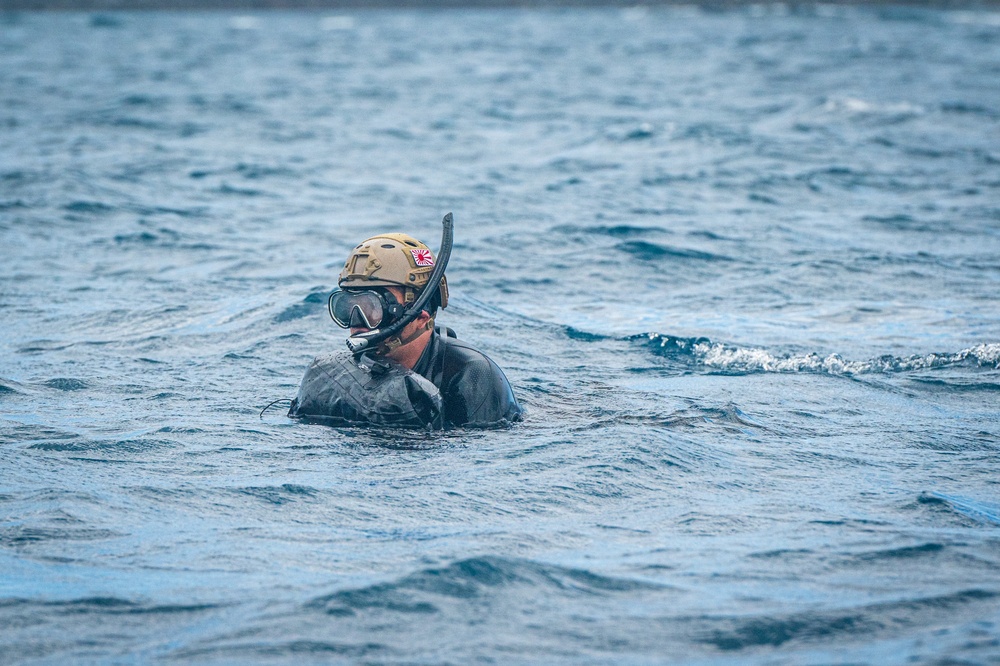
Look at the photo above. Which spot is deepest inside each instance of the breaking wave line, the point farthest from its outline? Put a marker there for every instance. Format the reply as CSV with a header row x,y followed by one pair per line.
x,y
749,359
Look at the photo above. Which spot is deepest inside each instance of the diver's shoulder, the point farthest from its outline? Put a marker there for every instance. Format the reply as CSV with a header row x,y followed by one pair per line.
x,y
464,350
329,360
332,357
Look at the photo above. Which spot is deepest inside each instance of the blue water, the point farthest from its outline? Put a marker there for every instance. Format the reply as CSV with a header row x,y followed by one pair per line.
x,y
742,268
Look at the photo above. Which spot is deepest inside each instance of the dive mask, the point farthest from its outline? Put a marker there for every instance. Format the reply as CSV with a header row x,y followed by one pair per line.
x,y
363,309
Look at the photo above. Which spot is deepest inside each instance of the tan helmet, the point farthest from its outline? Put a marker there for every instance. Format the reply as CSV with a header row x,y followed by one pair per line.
x,y
386,260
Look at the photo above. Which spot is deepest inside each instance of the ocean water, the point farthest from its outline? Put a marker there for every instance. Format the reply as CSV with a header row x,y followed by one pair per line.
x,y
741,267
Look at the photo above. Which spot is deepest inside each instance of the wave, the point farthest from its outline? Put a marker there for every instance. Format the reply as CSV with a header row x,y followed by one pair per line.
x,y
20,536
728,417
101,606
66,384
985,512
740,360
283,494
423,591
8,386
313,303
851,623
646,251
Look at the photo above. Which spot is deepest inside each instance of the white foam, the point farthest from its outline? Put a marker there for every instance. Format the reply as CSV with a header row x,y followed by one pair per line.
x,y
986,354
855,105
760,360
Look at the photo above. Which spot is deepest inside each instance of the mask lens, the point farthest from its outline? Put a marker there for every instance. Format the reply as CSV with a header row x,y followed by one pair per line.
x,y
357,308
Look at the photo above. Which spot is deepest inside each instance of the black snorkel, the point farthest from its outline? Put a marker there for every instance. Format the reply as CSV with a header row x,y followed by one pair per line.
x,y
360,343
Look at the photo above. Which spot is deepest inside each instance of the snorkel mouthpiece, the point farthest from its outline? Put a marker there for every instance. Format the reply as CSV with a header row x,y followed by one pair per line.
x,y
358,344
363,341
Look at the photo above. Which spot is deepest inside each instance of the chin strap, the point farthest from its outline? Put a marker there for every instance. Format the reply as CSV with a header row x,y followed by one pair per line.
x,y
396,341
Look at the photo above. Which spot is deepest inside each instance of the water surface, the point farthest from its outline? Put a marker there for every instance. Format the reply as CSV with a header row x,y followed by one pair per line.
x,y
741,267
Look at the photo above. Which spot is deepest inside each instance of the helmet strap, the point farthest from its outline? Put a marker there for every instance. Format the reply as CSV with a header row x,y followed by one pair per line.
x,y
396,341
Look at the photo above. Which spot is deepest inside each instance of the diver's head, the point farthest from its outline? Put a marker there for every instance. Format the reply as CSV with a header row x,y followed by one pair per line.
x,y
394,260
382,278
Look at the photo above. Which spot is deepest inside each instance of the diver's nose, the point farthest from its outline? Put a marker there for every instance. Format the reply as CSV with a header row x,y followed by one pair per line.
x,y
358,319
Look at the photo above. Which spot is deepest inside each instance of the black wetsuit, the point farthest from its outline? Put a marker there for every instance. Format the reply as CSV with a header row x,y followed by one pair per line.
x,y
473,388
452,384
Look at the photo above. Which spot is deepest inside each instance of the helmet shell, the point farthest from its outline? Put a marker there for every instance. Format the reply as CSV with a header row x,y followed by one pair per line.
x,y
397,260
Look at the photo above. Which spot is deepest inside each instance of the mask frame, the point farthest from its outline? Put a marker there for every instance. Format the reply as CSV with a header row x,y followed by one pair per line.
x,y
390,309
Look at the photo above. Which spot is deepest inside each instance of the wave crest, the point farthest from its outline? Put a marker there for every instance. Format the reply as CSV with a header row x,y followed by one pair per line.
x,y
427,590
752,359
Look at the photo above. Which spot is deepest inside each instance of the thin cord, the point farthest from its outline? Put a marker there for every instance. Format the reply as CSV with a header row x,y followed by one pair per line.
x,y
272,405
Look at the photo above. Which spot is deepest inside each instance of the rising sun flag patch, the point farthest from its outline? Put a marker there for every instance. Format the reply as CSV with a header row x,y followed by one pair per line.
x,y
422,257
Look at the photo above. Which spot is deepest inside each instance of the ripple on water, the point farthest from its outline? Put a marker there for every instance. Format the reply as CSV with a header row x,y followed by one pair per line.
x,y
646,251
278,495
66,384
883,620
21,536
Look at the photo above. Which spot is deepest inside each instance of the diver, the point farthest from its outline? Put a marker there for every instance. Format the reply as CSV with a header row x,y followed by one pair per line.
x,y
401,370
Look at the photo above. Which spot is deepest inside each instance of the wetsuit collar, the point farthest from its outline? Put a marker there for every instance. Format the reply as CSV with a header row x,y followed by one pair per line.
x,y
424,363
